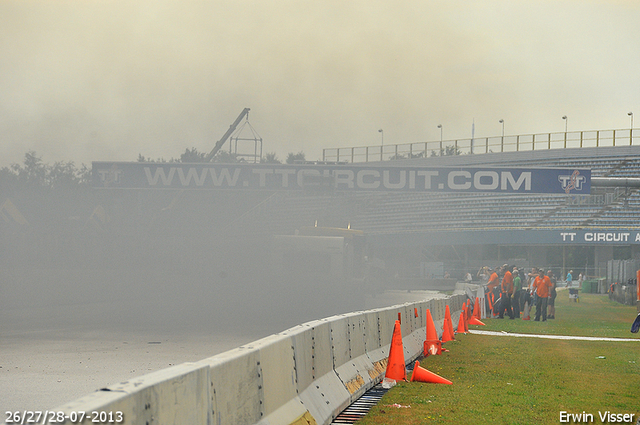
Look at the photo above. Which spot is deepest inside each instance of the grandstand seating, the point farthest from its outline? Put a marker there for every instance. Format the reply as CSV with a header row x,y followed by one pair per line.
x,y
377,212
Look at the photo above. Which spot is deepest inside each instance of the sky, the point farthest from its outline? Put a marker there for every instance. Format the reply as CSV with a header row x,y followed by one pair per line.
x,y
107,80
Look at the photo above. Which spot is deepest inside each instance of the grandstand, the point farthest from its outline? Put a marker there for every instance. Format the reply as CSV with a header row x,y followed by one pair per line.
x,y
413,221
413,212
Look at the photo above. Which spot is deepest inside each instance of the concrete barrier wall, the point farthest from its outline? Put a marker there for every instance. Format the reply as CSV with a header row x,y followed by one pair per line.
x,y
307,374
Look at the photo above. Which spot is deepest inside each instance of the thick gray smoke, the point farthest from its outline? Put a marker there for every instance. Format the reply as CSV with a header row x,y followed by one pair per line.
x,y
107,80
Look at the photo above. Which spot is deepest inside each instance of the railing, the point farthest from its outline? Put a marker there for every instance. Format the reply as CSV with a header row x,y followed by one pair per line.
x,y
527,142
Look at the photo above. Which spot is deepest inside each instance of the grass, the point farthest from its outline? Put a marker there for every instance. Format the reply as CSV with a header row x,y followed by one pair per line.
x,y
508,380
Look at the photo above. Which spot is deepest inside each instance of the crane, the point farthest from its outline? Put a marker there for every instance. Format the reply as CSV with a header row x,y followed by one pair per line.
x,y
232,128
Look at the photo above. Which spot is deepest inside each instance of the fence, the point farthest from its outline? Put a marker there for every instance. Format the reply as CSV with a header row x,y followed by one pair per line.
x,y
623,293
517,143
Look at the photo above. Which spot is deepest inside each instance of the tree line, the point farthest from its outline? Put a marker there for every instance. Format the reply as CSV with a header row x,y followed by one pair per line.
x,y
33,172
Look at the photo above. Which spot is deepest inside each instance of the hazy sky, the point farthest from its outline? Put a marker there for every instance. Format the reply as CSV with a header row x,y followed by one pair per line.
x,y
93,80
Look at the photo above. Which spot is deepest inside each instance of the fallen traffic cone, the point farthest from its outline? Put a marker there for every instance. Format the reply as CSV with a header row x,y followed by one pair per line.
x,y
447,318
461,327
395,365
432,345
421,374
475,321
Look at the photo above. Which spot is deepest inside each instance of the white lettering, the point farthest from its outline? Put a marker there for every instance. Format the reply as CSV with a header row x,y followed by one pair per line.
x,y
451,180
607,237
584,417
507,177
263,175
427,177
304,172
491,175
225,175
192,174
637,237
564,236
344,177
372,183
563,417
159,174
285,175
386,181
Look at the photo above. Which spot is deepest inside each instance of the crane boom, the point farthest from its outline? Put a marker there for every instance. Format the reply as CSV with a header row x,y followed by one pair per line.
x,y
232,128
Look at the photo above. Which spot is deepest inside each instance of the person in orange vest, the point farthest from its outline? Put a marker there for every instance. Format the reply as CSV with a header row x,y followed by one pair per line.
x,y
492,284
494,280
506,291
542,284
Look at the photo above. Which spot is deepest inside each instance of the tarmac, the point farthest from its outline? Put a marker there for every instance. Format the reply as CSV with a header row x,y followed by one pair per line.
x,y
45,363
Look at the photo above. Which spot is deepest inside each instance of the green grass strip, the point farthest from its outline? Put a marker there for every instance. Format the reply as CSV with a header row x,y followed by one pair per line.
x,y
509,380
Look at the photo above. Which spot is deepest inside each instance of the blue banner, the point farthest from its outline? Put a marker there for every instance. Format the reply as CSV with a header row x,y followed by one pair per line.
x,y
140,175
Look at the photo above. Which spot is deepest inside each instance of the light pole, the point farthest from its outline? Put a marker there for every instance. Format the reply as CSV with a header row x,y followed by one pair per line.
x,y
631,116
440,127
502,122
566,122
381,135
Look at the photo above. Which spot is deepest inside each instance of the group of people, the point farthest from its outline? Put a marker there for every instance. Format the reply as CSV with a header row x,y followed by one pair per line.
x,y
511,290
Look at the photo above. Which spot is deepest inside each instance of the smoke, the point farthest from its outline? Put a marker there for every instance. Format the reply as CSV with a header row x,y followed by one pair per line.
x,y
106,80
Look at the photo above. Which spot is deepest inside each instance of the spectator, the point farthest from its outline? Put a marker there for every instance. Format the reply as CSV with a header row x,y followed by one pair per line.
x,y
517,291
542,285
569,278
552,296
506,292
492,290
483,274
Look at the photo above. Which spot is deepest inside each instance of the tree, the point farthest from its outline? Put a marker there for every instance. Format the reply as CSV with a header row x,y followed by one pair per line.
x,y
36,174
192,155
447,150
293,157
224,157
270,158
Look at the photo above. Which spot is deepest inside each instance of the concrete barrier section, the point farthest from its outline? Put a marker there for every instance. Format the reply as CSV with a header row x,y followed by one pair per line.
x,y
305,375
179,394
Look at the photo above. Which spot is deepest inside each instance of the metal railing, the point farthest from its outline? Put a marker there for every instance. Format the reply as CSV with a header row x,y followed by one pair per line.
x,y
527,142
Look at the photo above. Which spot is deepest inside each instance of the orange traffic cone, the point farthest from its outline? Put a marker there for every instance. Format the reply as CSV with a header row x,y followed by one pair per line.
x,y
461,326
431,327
446,332
476,309
395,366
432,345
447,318
475,321
421,374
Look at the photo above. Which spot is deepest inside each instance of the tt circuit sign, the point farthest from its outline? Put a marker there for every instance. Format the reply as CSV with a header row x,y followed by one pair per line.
x,y
138,175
